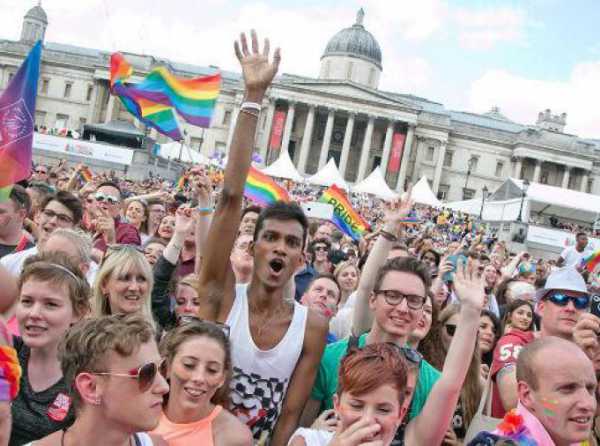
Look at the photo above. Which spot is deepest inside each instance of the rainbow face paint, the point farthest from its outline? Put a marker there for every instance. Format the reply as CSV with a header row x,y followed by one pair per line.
x,y
549,406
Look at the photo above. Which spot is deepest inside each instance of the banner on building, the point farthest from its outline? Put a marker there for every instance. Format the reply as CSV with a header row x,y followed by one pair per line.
x,y
396,152
277,130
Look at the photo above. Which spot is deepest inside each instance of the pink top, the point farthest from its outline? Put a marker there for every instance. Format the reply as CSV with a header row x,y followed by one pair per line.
x,y
200,432
13,326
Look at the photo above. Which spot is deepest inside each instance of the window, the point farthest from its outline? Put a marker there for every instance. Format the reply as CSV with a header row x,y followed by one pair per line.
x,y
227,117
82,122
468,193
45,86
499,168
61,121
448,158
68,88
474,161
90,91
430,153
443,191
195,143
40,118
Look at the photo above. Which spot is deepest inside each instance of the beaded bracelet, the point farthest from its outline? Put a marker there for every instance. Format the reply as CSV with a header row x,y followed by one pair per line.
x,y
10,373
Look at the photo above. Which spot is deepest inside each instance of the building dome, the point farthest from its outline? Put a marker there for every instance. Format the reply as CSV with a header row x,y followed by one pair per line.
x,y
37,13
355,41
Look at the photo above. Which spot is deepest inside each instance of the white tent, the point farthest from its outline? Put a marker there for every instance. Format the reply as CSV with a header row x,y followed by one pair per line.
x,y
375,184
283,167
174,150
329,175
504,210
422,193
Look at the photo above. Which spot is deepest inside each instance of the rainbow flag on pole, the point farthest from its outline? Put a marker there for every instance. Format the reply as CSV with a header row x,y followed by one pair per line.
x,y
17,109
155,100
344,217
86,174
262,189
591,261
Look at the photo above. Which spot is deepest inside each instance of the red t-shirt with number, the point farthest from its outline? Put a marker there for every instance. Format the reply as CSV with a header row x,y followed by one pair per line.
x,y
506,353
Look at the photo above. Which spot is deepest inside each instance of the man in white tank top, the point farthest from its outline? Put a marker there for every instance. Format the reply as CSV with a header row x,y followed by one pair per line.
x,y
276,343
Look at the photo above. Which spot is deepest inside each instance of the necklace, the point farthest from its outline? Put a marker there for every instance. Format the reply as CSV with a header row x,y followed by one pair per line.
x,y
62,438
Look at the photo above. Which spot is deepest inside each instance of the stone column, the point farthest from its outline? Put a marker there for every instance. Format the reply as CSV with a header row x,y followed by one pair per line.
x,y
387,145
306,139
346,144
234,116
287,130
518,168
264,146
537,171
437,176
91,118
366,149
405,158
326,138
566,177
584,181
110,108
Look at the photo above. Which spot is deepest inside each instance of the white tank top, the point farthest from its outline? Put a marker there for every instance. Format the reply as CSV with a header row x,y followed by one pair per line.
x,y
261,377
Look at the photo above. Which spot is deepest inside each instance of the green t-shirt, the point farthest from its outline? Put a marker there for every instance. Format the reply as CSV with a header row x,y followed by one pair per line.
x,y
327,377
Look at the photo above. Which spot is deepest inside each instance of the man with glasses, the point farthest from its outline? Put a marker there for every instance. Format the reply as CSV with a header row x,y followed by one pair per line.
x,y
110,229
40,173
560,304
13,213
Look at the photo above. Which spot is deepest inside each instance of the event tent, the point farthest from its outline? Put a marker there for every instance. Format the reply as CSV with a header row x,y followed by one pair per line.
x,y
329,175
422,193
503,210
283,167
375,184
173,150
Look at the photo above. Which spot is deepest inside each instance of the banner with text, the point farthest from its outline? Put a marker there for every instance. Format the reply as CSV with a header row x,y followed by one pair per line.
x,y
85,149
277,130
396,153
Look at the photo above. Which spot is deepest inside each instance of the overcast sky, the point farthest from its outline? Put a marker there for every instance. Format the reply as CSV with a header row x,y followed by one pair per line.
x,y
521,55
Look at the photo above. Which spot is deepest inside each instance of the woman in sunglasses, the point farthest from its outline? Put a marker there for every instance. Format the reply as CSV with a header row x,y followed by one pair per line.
x,y
112,366
53,294
123,283
198,367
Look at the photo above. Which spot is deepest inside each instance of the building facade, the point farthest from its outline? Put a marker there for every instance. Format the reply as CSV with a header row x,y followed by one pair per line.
x,y
340,114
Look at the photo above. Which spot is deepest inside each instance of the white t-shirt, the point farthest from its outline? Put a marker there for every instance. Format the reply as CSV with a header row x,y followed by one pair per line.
x,y
313,437
573,257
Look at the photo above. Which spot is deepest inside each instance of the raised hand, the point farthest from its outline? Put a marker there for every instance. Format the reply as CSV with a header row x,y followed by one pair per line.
x,y
105,225
396,210
468,286
357,434
258,72
184,220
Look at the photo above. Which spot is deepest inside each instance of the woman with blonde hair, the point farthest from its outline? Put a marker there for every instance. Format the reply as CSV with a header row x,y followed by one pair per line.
x,y
347,275
123,283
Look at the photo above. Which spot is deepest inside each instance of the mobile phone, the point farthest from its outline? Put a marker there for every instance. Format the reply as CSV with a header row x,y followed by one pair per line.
x,y
321,211
595,305
455,260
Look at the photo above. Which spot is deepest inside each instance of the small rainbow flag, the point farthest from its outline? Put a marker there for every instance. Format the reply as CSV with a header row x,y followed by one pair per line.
x,y
344,217
262,189
591,261
86,174
155,100
182,182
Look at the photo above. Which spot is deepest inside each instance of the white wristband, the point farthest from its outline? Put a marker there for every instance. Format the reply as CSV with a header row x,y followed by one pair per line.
x,y
250,106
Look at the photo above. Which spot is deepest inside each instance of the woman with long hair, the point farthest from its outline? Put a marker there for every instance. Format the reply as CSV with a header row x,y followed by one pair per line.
x,y
489,333
347,275
111,364
123,283
136,214
166,228
518,316
198,368
53,295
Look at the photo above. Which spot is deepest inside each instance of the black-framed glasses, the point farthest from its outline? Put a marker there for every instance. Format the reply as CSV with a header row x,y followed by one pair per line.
x,y
562,300
393,297
186,319
50,214
320,248
450,329
144,374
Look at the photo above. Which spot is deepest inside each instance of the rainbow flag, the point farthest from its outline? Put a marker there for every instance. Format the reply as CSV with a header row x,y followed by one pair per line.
x,y
182,182
155,99
86,174
344,217
17,109
591,261
262,189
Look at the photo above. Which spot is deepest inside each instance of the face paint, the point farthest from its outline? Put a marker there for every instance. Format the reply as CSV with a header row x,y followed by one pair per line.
x,y
549,407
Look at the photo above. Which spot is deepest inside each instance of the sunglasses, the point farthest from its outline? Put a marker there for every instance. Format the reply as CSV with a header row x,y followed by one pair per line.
x,y
410,354
110,249
562,300
41,171
450,329
187,319
100,197
144,375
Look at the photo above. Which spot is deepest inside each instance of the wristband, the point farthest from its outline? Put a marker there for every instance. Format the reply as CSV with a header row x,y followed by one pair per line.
x,y
10,373
249,112
388,236
247,105
204,211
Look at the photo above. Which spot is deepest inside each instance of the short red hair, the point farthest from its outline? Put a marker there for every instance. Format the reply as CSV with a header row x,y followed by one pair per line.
x,y
364,370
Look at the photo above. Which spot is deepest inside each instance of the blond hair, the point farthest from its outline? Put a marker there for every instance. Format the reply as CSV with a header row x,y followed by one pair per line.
x,y
120,261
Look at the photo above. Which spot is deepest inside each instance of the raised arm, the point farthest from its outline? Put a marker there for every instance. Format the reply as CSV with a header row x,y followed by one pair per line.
x,y
202,189
431,425
258,74
395,212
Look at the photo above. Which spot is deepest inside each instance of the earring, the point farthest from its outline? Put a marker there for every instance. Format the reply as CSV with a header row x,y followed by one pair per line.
x,y
97,401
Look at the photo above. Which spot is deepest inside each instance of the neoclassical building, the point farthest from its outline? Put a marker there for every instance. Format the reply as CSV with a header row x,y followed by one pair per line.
x,y
340,114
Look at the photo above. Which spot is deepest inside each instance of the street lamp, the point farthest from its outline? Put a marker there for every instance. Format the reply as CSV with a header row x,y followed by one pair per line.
x,y
523,194
483,197
470,164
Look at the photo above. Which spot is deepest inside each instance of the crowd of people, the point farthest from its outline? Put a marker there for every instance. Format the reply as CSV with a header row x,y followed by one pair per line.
x,y
137,314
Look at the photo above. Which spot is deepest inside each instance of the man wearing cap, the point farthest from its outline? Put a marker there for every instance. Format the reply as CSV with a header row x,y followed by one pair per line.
x,y
560,304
